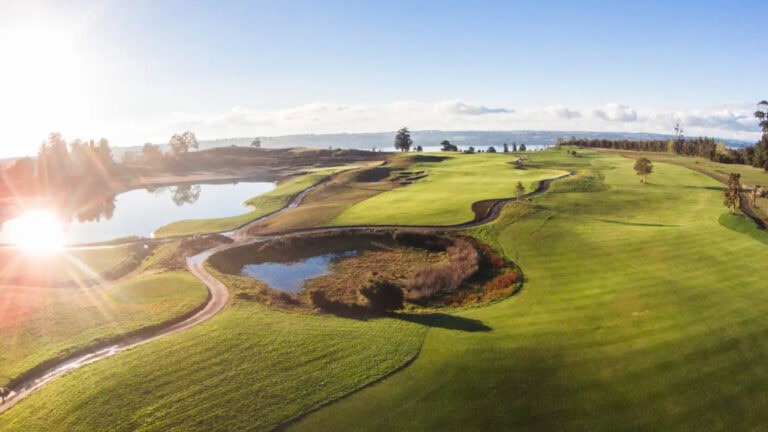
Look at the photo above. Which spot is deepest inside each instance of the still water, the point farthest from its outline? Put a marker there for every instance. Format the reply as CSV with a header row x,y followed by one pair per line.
x,y
139,212
290,277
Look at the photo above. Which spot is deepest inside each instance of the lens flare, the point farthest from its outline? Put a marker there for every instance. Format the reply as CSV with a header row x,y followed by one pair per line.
x,y
38,231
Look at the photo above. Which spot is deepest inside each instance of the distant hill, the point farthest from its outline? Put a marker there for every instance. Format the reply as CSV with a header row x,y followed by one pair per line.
x,y
379,140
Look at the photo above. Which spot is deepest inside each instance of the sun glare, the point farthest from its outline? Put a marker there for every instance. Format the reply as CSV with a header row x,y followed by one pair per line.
x,y
38,232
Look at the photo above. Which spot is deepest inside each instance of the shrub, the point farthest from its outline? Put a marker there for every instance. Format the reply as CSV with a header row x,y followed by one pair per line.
x,y
383,295
463,262
502,281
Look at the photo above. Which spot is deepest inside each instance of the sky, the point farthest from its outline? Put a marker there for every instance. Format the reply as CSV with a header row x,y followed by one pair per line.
x,y
137,71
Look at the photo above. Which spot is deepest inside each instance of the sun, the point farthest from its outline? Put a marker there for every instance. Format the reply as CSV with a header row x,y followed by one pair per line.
x,y
38,232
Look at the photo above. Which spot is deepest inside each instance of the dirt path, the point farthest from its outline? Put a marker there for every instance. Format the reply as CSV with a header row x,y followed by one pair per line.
x,y
218,292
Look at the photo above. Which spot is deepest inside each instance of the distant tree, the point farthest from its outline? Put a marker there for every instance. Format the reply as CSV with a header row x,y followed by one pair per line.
x,y
22,169
679,137
256,143
522,147
383,295
151,153
506,148
470,150
130,157
732,192
403,140
419,149
760,158
514,146
519,190
447,146
182,143
643,167
491,149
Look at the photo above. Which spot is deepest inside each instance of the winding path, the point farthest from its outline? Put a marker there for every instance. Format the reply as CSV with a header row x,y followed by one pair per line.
x,y
218,292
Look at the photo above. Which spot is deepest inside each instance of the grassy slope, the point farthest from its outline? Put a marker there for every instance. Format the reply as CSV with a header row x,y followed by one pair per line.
x,y
64,266
40,323
263,204
446,195
249,368
640,312
750,176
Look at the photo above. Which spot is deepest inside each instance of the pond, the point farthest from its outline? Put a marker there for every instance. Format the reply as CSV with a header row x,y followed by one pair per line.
x,y
138,212
290,276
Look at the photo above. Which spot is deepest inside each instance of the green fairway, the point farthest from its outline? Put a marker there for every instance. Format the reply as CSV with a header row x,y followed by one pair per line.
x,y
250,368
446,195
263,204
640,312
38,323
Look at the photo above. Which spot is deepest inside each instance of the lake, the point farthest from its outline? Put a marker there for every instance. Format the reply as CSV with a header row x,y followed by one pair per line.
x,y
139,212
290,276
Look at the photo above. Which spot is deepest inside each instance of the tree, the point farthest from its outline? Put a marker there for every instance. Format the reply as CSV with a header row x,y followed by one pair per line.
x,y
491,149
732,192
519,190
506,148
256,143
470,150
514,146
383,295
182,143
419,149
643,168
130,157
403,140
760,158
151,153
522,147
447,146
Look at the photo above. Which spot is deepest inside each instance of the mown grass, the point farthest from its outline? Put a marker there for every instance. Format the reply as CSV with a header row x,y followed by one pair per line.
x,y
39,323
446,195
262,205
249,368
742,224
68,266
640,312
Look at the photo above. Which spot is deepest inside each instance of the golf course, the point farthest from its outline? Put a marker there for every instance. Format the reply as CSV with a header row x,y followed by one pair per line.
x,y
642,308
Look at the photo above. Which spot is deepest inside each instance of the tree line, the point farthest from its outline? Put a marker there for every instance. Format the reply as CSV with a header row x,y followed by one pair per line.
x,y
755,155
83,165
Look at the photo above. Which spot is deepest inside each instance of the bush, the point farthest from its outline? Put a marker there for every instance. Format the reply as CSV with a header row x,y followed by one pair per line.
x,y
383,295
501,282
463,262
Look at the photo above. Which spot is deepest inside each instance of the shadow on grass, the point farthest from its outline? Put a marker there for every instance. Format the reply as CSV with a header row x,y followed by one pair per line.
x,y
714,188
445,321
635,223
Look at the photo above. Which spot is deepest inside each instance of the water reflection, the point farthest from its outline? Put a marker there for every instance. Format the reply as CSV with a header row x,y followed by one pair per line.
x,y
290,276
185,194
88,216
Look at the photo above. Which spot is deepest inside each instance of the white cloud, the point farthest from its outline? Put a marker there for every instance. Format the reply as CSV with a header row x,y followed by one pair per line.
x,y
616,113
465,108
732,121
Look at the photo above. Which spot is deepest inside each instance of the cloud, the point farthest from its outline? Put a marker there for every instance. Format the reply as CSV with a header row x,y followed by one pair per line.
x,y
727,121
563,112
616,113
465,108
